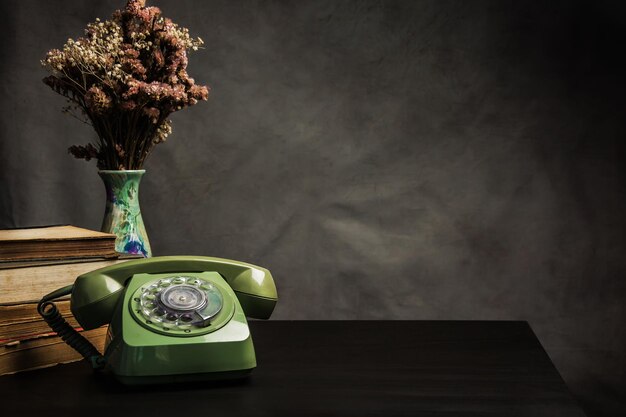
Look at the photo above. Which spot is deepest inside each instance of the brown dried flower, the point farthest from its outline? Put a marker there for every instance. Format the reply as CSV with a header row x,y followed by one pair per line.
x,y
97,101
127,75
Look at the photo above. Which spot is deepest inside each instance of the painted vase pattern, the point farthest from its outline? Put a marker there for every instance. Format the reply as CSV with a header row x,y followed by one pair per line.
x,y
122,215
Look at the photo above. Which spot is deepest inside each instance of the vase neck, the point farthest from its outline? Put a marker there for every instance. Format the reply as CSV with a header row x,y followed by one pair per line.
x,y
122,186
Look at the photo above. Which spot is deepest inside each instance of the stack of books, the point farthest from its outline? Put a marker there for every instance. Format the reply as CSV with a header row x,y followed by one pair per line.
x,y
33,263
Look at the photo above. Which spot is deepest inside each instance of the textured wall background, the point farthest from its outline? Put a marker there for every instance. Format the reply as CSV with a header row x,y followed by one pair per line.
x,y
386,160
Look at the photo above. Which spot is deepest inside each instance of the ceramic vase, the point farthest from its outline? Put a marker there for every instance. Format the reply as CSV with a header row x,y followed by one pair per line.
x,y
122,215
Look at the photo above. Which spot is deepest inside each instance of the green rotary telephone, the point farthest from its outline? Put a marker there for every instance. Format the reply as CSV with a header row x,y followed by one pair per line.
x,y
171,318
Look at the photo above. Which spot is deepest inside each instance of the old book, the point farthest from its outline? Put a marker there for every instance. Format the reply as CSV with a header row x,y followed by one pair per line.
x,y
22,263
42,352
22,321
30,283
55,242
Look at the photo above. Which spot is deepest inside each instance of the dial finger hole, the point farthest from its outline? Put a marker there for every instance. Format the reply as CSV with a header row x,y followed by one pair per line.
x,y
186,318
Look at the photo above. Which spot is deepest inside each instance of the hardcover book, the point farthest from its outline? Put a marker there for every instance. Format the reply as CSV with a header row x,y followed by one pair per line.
x,y
28,282
55,242
44,351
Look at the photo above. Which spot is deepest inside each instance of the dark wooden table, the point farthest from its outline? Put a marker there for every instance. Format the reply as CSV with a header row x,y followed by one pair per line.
x,y
323,368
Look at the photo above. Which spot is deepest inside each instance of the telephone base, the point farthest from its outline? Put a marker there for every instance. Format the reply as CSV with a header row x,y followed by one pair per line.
x,y
183,378
137,354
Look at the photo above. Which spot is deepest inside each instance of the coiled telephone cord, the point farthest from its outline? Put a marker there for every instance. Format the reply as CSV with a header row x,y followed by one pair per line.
x,y
51,315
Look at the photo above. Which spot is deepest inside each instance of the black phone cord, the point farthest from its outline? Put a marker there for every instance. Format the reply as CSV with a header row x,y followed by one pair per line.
x,y
51,315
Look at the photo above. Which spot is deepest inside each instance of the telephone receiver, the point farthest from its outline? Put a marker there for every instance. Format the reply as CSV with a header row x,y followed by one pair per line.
x,y
171,318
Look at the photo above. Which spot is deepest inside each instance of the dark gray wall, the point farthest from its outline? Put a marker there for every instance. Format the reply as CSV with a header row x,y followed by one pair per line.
x,y
386,160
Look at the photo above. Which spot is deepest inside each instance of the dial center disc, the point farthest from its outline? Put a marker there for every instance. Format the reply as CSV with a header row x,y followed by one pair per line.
x,y
183,298
182,305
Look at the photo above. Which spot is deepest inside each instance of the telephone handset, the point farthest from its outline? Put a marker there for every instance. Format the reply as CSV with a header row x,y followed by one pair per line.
x,y
171,318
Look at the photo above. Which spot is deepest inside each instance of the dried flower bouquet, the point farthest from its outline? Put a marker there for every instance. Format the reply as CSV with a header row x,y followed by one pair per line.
x,y
124,78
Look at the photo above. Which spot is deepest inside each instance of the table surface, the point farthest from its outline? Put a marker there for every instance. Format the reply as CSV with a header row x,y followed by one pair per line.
x,y
321,368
